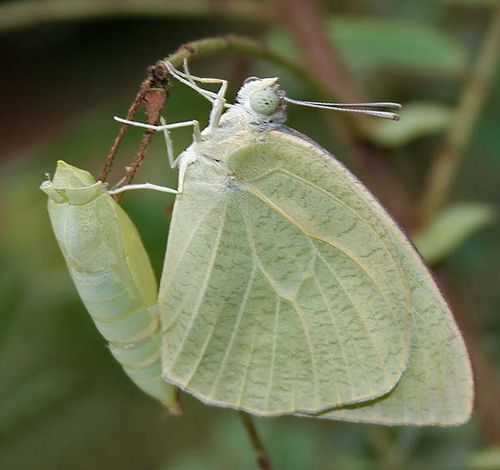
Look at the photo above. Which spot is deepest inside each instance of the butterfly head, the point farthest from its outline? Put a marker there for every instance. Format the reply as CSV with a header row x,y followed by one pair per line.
x,y
265,103
263,99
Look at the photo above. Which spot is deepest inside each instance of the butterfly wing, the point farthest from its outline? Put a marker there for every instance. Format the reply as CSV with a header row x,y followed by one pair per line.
x,y
280,293
437,388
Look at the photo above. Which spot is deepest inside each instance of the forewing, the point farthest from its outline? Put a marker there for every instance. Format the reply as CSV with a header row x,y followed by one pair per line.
x,y
277,295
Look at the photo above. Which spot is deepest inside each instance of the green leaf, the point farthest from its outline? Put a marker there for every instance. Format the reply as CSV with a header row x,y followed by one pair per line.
x,y
417,119
488,459
367,43
451,228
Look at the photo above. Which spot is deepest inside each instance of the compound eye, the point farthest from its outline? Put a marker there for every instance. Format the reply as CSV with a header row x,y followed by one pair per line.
x,y
264,102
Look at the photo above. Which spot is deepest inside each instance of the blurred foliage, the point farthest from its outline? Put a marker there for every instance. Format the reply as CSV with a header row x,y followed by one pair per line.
x,y
416,120
450,228
64,402
488,459
368,43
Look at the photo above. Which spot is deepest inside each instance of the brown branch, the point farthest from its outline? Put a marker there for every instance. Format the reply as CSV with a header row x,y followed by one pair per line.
x,y
153,101
261,456
441,177
476,89
143,89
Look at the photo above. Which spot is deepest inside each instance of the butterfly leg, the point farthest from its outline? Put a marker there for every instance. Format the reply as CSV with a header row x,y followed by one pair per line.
x,y
218,99
166,133
219,103
151,186
186,75
189,80
165,128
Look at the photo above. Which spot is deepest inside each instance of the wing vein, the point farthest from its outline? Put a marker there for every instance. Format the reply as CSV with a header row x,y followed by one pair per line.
x,y
308,234
336,328
188,244
273,354
294,304
350,209
358,311
355,213
307,336
256,258
230,344
201,297
249,362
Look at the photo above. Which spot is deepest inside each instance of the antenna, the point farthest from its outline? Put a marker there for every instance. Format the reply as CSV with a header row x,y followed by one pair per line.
x,y
361,108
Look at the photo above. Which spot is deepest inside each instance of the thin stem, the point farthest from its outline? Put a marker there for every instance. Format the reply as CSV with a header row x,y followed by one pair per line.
x,y
247,47
143,89
261,456
153,100
476,90
19,14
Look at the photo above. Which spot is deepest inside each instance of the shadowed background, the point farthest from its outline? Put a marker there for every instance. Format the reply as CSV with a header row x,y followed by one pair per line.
x,y
69,66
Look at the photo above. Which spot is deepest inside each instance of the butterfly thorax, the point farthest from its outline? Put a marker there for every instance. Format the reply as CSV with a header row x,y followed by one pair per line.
x,y
260,109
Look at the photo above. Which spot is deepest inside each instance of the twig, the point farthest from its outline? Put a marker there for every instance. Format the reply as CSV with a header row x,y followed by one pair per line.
x,y
392,449
154,100
19,14
261,456
441,179
476,90
146,84
247,47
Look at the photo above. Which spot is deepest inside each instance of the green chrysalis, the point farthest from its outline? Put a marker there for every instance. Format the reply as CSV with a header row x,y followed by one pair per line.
x,y
287,289
111,272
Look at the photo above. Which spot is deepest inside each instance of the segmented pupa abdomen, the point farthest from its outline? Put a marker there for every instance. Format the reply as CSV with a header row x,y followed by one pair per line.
x,y
112,273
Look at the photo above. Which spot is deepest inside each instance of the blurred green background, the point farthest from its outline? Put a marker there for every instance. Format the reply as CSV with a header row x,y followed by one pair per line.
x,y
69,66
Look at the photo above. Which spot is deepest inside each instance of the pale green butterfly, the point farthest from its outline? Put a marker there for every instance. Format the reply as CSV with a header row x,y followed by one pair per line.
x,y
287,289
